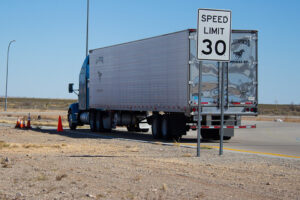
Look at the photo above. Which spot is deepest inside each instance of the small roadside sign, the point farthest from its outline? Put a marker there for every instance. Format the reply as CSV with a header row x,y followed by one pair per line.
x,y
214,34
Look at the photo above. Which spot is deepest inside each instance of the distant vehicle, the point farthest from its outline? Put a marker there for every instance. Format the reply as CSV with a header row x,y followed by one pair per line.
x,y
155,81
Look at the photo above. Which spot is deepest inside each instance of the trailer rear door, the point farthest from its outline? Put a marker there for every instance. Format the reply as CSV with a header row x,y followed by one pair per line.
x,y
240,76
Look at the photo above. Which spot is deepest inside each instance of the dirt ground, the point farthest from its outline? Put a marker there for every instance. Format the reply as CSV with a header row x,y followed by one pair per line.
x,y
38,117
37,164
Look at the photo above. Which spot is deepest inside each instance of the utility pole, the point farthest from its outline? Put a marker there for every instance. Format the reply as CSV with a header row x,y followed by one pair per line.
x,y
5,108
87,28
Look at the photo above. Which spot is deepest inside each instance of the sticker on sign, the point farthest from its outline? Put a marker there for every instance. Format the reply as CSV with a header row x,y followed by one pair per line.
x,y
214,34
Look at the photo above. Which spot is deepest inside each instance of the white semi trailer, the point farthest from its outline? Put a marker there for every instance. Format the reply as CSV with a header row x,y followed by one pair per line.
x,y
156,80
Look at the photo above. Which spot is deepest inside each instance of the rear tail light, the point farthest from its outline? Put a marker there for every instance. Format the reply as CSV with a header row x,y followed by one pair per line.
x,y
250,109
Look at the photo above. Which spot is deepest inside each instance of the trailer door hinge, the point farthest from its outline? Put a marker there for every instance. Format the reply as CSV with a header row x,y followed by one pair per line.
x,y
254,38
194,61
193,37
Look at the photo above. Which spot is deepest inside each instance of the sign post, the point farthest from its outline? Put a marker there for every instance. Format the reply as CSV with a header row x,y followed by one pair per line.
x,y
222,109
199,108
213,43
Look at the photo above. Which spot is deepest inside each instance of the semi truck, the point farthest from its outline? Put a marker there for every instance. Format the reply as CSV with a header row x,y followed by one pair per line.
x,y
155,81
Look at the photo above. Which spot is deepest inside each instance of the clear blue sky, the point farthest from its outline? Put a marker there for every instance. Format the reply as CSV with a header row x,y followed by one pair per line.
x,y
50,37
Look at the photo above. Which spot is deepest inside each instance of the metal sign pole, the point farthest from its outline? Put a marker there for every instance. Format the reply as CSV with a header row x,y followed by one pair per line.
x,y
199,108
222,109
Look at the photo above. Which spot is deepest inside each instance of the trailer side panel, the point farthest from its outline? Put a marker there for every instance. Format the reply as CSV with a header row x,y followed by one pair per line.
x,y
150,74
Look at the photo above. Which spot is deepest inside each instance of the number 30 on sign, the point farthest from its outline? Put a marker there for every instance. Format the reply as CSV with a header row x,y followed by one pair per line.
x,y
214,34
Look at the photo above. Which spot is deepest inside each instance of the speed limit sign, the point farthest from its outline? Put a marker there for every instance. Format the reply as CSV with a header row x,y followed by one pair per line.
x,y
214,35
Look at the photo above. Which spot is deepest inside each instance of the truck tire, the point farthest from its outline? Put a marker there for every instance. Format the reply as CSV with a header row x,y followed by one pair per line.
x,y
99,122
165,127
177,126
72,125
212,134
106,121
93,121
226,137
156,127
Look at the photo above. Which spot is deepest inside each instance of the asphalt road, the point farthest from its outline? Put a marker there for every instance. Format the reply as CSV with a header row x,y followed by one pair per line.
x,y
268,137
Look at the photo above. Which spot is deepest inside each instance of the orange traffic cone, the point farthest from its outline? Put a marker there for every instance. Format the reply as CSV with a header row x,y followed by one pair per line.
x,y
22,124
59,125
28,121
18,123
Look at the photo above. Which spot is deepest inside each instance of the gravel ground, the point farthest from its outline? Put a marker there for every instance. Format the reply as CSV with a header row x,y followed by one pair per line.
x,y
39,164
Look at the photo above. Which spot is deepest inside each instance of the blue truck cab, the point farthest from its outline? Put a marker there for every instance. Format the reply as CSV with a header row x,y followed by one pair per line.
x,y
76,109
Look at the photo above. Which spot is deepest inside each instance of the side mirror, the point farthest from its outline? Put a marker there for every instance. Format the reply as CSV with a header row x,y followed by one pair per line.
x,y
71,90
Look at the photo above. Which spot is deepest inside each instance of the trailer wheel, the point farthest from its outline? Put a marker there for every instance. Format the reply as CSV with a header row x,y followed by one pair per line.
x,y
165,127
156,127
99,121
70,120
212,134
226,137
93,121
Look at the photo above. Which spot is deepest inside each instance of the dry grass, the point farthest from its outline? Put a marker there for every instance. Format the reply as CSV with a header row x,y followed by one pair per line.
x,y
164,187
187,155
206,147
2,161
27,146
60,177
41,177
38,103
137,178
282,109
132,148
271,118
100,196
5,163
3,144
30,146
8,145
3,196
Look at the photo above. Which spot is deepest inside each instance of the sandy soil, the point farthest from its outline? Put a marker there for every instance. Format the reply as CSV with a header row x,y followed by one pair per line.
x,y
38,164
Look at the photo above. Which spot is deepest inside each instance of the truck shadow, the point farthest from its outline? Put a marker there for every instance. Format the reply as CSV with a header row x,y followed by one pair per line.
x,y
118,134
